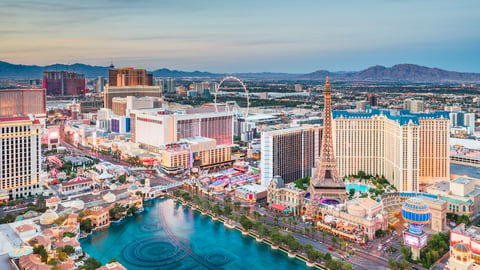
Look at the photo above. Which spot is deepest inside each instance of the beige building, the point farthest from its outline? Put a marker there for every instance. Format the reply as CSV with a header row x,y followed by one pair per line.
x,y
397,145
20,160
462,195
194,152
461,258
121,106
285,195
125,91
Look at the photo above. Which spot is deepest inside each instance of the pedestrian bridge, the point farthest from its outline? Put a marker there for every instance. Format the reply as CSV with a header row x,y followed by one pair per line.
x,y
171,185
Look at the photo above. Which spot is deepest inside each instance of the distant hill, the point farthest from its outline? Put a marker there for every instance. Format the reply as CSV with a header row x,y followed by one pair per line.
x,y
398,73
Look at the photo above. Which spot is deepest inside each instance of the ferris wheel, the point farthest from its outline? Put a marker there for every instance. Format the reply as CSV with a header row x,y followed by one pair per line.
x,y
241,84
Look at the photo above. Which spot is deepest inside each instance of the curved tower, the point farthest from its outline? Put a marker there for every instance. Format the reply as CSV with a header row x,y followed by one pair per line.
x,y
325,183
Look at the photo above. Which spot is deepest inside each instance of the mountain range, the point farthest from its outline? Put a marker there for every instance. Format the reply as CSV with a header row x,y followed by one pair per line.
x,y
396,73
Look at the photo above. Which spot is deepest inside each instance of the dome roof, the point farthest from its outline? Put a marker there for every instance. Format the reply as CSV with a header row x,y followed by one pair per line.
x,y
48,217
461,247
109,197
415,211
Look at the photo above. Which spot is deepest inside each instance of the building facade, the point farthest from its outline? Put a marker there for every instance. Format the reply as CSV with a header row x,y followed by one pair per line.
x,y
171,126
413,106
125,91
397,145
129,77
22,102
122,106
63,83
290,153
197,152
20,158
285,195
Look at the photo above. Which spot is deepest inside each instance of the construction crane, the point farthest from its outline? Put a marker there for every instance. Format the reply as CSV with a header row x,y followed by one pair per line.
x,y
282,114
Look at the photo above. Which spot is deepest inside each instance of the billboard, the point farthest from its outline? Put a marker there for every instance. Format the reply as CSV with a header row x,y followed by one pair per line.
x,y
411,240
415,240
53,134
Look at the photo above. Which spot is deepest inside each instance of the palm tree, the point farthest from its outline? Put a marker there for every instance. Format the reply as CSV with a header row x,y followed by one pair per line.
x,y
256,215
236,205
334,240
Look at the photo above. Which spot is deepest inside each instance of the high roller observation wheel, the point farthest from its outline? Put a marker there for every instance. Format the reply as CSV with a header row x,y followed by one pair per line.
x,y
230,77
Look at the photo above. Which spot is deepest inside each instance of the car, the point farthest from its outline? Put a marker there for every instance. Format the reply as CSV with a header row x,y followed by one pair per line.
x,y
331,249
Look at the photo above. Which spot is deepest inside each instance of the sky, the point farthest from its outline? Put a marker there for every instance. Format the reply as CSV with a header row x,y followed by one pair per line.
x,y
243,36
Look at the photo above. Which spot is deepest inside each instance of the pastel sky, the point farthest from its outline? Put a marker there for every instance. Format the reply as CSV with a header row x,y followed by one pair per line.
x,y
243,35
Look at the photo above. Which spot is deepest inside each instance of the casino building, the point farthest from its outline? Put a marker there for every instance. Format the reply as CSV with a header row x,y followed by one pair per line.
x,y
20,161
409,149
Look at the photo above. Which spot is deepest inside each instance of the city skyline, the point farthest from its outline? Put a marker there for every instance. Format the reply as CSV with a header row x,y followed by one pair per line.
x,y
248,37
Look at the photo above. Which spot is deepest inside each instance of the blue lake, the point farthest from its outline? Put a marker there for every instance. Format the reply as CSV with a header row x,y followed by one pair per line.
x,y
170,236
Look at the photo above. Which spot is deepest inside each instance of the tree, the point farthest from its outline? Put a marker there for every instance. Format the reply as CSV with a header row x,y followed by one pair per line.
x,y
246,223
324,234
86,225
352,192
313,255
392,263
117,211
69,234
380,233
227,210
334,240
216,209
91,264
40,250
62,256
236,206
327,257
112,260
246,209
256,215
463,219
132,210
122,179
405,252
68,249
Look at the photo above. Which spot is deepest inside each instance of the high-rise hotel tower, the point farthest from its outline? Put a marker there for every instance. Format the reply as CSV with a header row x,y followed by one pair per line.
x,y
409,149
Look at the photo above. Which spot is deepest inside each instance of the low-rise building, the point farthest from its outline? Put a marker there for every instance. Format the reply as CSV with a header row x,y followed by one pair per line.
x,y
100,217
288,197
251,192
75,185
468,236
197,152
462,195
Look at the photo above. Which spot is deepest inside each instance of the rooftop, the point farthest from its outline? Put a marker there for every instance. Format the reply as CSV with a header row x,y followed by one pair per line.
x,y
462,180
402,117
252,188
442,186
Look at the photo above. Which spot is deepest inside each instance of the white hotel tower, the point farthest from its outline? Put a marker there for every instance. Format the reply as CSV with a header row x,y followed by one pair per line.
x,y
409,149
20,162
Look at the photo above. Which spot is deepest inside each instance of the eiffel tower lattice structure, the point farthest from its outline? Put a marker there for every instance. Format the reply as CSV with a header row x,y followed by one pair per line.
x,y
325,184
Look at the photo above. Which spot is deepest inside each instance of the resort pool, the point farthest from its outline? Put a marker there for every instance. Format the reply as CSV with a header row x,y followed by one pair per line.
x,y
358,188
171,236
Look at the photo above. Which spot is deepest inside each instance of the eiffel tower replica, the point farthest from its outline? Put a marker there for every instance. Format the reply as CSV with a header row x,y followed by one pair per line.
x,y
325,184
